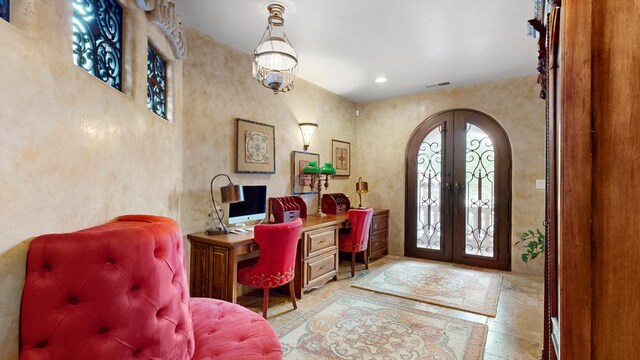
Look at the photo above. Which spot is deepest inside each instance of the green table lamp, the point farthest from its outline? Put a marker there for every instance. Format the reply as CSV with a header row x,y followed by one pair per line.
x,y
313,169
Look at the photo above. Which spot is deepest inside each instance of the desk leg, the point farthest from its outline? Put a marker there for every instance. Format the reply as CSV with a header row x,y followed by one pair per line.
x,y
232,278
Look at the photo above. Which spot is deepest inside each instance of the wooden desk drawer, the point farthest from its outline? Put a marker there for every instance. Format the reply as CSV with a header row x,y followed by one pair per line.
x,y
378,241
320,241
379,222
319,269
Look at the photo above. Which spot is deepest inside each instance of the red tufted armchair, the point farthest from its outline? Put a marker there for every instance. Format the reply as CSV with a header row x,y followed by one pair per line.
x,y
277,262
358,238
119,291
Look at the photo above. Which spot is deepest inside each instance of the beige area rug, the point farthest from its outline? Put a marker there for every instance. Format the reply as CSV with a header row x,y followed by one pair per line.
x,y
440,284
350,326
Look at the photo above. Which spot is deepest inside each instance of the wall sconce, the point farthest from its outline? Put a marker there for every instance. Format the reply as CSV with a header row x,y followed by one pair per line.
x,y
229,194
316,173
307,130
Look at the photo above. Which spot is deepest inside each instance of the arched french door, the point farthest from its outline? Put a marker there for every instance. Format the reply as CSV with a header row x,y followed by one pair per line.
x,y
458,191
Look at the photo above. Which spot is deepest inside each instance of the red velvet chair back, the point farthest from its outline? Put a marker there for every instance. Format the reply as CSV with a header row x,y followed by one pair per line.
x,y
358,239
115,291
276,264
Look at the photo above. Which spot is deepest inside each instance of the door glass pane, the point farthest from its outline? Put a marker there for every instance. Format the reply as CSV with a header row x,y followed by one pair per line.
x,y
428,197
479,191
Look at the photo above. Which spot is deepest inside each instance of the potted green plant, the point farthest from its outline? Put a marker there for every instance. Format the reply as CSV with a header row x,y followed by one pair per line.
x,y
533,243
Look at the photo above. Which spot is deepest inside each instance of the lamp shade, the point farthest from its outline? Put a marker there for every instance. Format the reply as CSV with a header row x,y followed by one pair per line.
x,y
231,193
328,169
307,130
312,168
362,186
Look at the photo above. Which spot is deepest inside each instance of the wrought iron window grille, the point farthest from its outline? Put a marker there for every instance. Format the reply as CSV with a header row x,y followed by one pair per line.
x,y
156,83
5,9
97,39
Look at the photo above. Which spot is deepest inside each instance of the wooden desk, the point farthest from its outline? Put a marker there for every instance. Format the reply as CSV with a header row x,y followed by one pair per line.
x,y
214,258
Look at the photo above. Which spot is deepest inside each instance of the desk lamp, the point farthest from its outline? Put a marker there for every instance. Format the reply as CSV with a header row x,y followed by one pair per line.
x,y
316,172
362,187
229,194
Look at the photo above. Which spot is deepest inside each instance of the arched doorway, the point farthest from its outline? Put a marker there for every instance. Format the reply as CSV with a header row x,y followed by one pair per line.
x,y
458,190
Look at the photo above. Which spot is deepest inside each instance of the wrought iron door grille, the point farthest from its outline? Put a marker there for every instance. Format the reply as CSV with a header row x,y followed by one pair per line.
x,y
480,164
429,163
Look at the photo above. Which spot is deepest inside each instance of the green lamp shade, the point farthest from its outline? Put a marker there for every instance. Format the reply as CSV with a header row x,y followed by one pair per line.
x,y
328,169
311,168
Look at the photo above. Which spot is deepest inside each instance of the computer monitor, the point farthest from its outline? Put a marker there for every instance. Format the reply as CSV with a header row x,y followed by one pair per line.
x,y
254,206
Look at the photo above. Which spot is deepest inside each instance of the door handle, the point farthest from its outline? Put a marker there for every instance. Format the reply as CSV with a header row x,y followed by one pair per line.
x,y
447,186
458,187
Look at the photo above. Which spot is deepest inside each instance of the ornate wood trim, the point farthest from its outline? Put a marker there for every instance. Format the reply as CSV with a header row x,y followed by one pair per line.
x,y
163,14
542,56
551,193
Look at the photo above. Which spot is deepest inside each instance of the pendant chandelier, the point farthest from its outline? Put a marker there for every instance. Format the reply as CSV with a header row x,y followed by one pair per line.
x,y
275,63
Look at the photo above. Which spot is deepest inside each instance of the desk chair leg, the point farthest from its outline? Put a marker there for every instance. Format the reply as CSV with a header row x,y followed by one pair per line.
x,y
366,258
265,303
353,263
292,291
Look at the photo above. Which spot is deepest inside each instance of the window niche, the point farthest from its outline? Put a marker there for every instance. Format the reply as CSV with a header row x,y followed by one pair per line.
x,y
97,39
4,9
156,82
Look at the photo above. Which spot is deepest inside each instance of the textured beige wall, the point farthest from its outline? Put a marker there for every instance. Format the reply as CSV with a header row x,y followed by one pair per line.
x,y
74,152
218,88
385,127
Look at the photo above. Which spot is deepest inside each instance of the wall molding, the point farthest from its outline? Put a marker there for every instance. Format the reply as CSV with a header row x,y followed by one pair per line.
x,y
163,14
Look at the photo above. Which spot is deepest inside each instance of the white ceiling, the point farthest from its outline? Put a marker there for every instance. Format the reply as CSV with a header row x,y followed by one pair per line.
x,y
343,45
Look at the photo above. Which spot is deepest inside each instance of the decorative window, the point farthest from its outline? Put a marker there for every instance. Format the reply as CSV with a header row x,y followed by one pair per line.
x,y
97,39
156,82
4,9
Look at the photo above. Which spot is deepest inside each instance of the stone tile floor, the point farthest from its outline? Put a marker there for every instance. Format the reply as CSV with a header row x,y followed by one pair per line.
x,y
515,333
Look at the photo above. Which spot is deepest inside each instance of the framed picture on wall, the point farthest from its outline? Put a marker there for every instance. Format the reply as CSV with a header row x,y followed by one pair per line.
x,y
341,157
301,182
255,147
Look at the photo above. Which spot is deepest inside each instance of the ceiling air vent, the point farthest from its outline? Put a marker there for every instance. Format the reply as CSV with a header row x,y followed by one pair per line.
x,y
440,84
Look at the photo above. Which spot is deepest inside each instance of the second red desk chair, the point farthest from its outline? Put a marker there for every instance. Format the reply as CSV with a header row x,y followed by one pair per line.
x,y
358,239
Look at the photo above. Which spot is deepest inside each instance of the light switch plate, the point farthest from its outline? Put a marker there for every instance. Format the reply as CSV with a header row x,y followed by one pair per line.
x,y
540,184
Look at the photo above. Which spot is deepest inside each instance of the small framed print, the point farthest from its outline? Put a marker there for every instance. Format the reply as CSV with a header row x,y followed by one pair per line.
x,y
302,182
341,157
255,147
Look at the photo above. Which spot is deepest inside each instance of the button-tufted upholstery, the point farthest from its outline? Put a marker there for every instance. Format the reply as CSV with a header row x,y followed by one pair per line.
x,y
119,291
358,238
277,262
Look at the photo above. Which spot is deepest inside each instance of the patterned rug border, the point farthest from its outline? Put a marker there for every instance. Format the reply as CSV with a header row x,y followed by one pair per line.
x,y
493,296
477,339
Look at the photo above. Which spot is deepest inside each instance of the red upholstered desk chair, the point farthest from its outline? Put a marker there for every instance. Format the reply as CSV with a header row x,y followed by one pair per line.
x,y
277,262
358,239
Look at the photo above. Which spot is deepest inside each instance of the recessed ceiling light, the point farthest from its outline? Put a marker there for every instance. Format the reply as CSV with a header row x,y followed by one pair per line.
x,y
381,79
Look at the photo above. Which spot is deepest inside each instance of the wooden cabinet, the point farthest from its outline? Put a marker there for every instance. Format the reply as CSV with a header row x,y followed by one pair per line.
x,y
379,234
214,258
320,256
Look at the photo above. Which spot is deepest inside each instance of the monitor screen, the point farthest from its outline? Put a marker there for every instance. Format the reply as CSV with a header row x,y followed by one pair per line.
x,y
254,206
